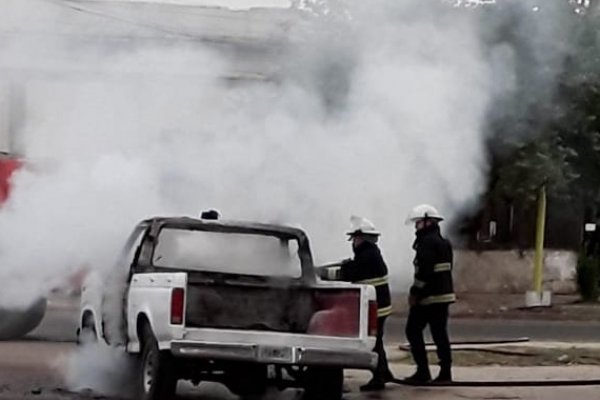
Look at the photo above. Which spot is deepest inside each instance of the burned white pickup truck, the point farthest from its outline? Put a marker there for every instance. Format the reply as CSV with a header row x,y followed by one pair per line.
x,y
230,302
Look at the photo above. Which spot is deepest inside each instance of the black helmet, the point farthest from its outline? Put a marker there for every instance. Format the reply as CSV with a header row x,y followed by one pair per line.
x,y
210,214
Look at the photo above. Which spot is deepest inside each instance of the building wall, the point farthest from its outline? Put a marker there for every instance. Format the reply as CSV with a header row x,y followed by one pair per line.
x,y
248,43
514,226
511,271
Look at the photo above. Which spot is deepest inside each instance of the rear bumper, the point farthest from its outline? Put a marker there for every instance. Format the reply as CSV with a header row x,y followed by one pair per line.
x,y
286,355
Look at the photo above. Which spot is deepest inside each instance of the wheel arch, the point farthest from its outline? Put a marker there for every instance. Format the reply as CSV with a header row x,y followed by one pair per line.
x,y
142,321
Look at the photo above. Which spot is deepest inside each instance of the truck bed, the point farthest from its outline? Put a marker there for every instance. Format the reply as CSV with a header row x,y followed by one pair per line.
x,y
279,308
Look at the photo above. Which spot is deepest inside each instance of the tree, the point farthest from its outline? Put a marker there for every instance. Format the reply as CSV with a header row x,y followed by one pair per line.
x,y
557,141
578,119
530,165
545,130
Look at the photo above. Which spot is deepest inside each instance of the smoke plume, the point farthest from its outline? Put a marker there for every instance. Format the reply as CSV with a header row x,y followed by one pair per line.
x,y
337,108
364,108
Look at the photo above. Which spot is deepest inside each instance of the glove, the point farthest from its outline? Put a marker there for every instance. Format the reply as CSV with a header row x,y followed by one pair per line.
x,y
322,272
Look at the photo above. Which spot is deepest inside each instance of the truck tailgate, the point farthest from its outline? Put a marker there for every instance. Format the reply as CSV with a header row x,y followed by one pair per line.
x,y
276,348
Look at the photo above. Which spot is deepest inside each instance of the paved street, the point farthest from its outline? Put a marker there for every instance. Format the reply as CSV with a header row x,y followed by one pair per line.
x,y
43,365
475,329
37,370
61,321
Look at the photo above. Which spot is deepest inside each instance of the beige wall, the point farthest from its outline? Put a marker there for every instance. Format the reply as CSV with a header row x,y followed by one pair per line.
x,y
509,272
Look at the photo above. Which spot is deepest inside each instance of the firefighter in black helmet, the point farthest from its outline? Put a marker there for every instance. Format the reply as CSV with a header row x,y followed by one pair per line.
x,y
211,214
430,295
368,267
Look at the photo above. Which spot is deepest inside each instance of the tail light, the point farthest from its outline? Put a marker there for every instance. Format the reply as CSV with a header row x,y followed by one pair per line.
x,y
373,318
177,305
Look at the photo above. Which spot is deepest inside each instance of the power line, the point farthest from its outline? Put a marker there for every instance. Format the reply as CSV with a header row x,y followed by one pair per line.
x,y
85,10
153,27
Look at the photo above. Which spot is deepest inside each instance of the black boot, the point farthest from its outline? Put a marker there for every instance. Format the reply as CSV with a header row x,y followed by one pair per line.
x,y
445,375
421,377
388,376
374,385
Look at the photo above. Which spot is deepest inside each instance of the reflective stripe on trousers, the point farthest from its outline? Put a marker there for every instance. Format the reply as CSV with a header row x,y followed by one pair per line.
x,y
384,311
442,298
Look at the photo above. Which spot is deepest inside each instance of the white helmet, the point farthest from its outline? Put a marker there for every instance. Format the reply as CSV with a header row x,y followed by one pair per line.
x,y
423,211
363,226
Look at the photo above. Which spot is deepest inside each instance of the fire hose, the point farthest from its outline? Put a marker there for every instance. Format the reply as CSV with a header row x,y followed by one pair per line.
x,y
544,383
495,383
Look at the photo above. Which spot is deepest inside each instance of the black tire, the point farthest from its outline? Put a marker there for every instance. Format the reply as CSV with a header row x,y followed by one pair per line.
x,y
156,379
17,323
247,380
321,383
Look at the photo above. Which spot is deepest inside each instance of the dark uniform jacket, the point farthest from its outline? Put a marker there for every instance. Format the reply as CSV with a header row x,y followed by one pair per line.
x,y
593,245
368,268
433,268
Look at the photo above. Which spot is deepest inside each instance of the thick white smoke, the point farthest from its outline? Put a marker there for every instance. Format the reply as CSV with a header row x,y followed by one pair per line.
x,y
371,112
101,369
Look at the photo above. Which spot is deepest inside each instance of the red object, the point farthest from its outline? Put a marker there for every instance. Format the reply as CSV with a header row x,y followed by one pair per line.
x,y
373,325
7,167
177,306
338,313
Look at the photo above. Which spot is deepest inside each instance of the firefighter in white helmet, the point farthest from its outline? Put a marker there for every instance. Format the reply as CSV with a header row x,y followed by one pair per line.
x,y
368,267
431,294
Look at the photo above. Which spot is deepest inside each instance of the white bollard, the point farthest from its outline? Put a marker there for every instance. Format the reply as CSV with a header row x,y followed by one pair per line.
x,y
535,299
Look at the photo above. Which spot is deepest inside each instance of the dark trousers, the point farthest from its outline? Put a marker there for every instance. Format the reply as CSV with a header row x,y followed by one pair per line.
x,y
382,371
436,316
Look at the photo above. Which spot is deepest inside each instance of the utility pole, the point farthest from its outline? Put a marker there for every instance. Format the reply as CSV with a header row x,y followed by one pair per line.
x,y
538,297
538,263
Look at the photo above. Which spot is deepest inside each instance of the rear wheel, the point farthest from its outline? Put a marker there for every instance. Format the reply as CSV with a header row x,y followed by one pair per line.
x,y
247,380
322,383
156,377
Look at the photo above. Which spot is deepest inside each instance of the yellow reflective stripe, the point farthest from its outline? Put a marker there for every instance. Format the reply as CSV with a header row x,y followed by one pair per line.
x,y
418,283
442,298
442,267
375,281
333,273
384,312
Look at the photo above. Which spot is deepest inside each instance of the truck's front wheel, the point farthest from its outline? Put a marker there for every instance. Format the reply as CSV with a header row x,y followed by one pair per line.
x,y
323,383
156,377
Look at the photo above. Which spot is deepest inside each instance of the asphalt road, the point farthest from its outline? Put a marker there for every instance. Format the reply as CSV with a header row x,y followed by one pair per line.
x,y
60,371
487,329
47,362
60,325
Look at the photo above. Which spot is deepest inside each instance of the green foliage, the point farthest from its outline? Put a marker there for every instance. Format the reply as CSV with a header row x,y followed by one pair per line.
x,y
578,123
545,161
556,141
588,276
